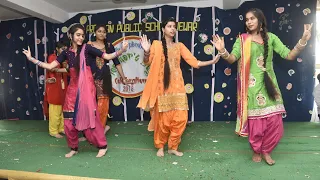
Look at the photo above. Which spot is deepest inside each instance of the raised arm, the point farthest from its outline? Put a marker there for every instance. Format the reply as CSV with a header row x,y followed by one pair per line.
x,y
149,49
222,51
278,45
116,62
96,52
48,66
192,61
115,54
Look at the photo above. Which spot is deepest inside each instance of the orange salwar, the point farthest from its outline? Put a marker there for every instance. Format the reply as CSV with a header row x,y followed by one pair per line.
x,y
168,108
169,127
103,109
103,102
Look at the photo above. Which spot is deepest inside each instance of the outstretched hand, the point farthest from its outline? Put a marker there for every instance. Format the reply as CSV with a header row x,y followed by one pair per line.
x,y
27,53
145,43
307,32
125,44
216,59
218,42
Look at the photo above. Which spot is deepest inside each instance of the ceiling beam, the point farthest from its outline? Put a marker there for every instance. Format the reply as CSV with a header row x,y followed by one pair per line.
x,y
233,4
40,9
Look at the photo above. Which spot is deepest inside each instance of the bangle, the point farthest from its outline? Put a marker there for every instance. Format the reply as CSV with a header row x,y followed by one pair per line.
x,y
225,51
302,44
225,55
118,53
114,54
146,53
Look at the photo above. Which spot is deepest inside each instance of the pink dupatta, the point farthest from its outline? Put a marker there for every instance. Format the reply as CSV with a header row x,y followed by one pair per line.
x,y
85,111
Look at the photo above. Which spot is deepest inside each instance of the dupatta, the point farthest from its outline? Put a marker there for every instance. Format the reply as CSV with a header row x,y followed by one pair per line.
x,y
242,85
85,114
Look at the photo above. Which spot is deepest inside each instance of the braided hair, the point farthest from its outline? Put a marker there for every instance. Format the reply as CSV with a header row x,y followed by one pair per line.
x,y
166,78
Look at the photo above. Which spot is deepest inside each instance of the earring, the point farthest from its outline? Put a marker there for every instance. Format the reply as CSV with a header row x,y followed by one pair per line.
x,y
261,29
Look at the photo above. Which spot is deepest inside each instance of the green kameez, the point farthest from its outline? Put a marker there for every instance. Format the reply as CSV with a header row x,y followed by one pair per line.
x,y
259,103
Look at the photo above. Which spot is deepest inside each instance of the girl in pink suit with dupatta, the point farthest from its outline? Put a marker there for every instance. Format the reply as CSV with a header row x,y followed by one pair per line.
x,y
80,107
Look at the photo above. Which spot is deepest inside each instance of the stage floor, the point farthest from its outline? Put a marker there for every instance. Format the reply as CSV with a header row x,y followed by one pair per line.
x,y
211,151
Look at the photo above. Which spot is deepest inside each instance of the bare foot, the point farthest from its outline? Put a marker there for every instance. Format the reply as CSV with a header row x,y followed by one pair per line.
x,y
101,152
82,139
256,157
268,159
177,153
106,129
71,153
57,136
160,152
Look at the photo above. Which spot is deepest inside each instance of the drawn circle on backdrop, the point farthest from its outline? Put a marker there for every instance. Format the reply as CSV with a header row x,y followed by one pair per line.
x,y
218,97
117,101
189,88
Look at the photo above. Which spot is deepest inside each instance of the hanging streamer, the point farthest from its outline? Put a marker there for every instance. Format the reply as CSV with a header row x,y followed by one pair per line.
x,y
89,18
36,49
213,68
177,20
141,110
45,54
160,20
125,114
192,51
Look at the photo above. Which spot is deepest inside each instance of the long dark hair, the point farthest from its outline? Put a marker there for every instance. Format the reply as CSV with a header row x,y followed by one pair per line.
x,y
262,29
73,29
106,75
166,78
